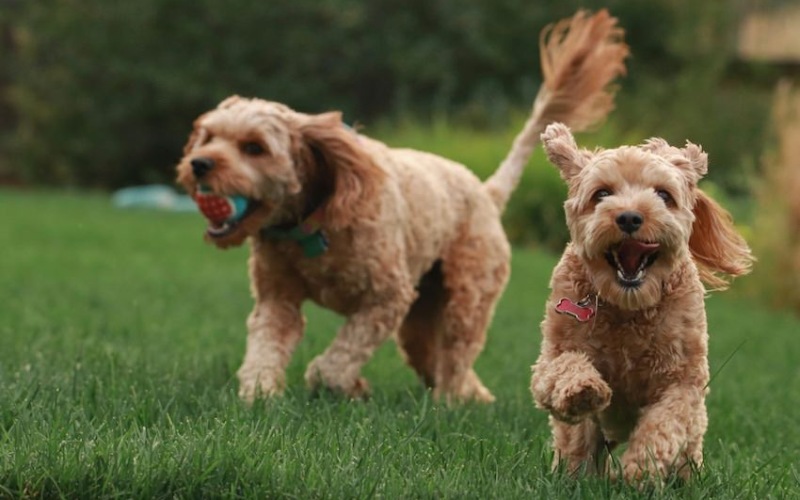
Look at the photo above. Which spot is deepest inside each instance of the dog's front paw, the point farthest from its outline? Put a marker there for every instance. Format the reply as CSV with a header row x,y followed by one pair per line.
x,y
320,375
574,402
468,388
260,385
644,476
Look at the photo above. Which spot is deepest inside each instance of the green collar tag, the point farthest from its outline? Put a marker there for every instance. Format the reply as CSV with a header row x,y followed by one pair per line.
x,y
314,245
308,234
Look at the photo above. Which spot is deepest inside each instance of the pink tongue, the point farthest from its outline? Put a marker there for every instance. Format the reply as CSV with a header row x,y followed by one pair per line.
x,y
631,253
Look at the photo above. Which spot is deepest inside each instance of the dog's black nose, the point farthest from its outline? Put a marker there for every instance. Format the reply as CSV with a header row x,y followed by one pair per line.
x,y
201,166
630,222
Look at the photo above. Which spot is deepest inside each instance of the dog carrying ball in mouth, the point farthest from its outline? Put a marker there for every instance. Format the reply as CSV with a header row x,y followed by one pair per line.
x,y
222,212
624,347
401,243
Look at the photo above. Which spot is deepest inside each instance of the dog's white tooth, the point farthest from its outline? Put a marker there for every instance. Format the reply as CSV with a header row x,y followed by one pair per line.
x,y
219,230
640,275
620,275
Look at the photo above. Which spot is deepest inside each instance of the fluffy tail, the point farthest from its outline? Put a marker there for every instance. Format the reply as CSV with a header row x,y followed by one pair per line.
x,y
580,57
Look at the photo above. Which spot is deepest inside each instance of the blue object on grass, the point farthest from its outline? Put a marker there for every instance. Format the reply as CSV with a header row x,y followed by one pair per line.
x,y
157,196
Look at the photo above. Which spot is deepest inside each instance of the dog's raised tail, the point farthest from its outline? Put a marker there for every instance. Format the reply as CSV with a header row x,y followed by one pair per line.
x,y
580,57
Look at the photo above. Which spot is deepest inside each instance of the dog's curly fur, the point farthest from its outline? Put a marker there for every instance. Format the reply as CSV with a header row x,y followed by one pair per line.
x,y
416,247
637,371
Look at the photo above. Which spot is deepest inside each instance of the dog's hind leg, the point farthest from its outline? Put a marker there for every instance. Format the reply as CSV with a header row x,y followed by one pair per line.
x,y
476,269
419,334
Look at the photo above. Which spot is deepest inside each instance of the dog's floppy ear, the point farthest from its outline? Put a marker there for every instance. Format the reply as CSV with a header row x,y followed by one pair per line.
x,y
718,249
563,151
356,178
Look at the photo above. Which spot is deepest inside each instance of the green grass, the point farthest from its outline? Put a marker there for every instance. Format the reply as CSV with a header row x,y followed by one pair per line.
x,y
121,332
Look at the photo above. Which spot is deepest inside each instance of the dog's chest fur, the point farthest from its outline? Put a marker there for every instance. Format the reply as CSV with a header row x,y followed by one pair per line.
x,y
638,353
332,280
342,281
635,352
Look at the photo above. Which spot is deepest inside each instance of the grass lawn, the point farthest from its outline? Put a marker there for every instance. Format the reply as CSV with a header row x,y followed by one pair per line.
x,y
121,333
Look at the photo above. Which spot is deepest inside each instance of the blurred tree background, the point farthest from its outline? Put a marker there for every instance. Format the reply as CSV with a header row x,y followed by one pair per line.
x,y
101,93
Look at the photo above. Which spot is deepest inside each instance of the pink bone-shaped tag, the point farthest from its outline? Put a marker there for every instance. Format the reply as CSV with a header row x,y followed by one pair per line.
x,y
583,311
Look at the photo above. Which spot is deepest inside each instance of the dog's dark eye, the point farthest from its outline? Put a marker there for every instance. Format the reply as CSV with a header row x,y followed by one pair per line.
x,y
664,195
251,148
600,194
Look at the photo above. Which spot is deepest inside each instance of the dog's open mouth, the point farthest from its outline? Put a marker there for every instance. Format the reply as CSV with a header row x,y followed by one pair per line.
x,y
223,213
631,258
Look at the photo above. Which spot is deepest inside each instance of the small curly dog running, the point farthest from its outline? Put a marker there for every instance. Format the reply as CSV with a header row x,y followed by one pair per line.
x,y
624,348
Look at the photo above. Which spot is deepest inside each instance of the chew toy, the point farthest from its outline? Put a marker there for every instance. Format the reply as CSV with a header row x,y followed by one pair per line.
x,y
220,209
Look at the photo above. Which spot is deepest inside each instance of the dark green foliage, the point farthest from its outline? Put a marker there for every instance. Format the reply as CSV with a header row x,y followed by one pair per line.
x,y
106,91
103,92
686,83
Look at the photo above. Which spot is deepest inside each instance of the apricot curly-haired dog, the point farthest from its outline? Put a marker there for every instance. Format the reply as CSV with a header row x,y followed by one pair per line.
x,y
624,349
398,241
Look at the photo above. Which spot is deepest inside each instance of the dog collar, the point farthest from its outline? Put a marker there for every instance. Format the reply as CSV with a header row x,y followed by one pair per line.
x,y
584,310
308,234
